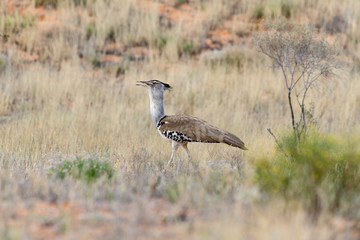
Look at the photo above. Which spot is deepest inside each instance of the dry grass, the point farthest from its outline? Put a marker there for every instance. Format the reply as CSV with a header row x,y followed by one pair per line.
x,y
65,104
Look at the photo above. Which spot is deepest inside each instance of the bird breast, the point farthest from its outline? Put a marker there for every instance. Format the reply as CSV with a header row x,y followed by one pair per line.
x,y
172,135
176,136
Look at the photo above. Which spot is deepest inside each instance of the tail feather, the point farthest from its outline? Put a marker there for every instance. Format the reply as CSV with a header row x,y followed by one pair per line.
x,y
222,136
233,140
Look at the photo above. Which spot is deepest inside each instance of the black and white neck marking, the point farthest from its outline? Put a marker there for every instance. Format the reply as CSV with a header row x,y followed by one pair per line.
x,y
159,123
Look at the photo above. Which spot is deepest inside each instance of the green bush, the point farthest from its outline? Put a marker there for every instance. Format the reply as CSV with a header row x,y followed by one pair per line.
x,y
322,172
88,169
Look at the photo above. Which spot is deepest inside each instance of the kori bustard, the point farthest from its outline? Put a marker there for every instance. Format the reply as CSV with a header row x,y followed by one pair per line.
x,y
182,129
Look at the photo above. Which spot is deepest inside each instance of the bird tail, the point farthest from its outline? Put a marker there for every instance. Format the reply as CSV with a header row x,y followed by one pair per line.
x,y
234,141
222,136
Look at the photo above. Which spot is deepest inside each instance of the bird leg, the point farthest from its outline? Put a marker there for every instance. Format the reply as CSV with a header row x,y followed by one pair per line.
x,y
174,147
184,145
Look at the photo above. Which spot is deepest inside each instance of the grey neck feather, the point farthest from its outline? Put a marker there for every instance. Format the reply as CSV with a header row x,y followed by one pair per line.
x,y
156,105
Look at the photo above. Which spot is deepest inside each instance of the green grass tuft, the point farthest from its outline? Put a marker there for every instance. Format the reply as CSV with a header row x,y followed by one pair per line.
x,y
179,3
14,23
187,48
172,192
286,9
259,12
55,3
88,169
160,41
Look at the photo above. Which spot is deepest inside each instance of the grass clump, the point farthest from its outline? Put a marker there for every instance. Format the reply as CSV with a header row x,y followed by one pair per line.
x,y
2,63
259,12
187,48
179,3
286,9
46,3
160,41
229,57
88,169
322,172
273,9
55,3
14,23
4,37
172,192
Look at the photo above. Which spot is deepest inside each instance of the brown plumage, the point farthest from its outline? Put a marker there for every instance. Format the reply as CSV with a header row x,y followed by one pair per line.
x,y
182,129
197,130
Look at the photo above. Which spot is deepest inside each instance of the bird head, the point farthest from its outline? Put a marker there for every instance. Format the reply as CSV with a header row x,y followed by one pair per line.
x,y
154,85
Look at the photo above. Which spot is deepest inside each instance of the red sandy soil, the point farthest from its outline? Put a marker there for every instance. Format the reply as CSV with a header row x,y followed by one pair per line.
x,y
48,21
152,219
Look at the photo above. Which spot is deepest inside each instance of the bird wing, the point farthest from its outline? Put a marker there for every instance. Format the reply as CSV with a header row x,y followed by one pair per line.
x,y
193,129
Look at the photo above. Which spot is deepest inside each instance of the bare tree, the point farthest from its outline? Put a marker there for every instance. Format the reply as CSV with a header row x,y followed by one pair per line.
x,y
303,59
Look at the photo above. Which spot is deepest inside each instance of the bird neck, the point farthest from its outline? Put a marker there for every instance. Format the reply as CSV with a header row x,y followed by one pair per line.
x,y
156,106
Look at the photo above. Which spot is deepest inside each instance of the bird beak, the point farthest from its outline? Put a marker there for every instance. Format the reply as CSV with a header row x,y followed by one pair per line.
x,y
142,83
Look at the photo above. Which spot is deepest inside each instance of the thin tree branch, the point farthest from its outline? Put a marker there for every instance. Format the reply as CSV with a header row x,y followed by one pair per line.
x,y
291,111
277,142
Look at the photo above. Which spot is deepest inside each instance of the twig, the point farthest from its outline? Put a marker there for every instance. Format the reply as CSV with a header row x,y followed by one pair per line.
x,y
277,142
272,134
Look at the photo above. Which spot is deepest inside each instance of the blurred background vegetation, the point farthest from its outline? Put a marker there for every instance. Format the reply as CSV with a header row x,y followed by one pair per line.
x,y
79,157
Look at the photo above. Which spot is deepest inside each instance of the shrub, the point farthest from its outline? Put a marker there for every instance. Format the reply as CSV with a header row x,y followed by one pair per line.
x,y
303,59
322,172
88,169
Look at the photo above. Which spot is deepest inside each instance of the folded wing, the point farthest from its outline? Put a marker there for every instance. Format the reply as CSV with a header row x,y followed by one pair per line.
x,y
192,129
